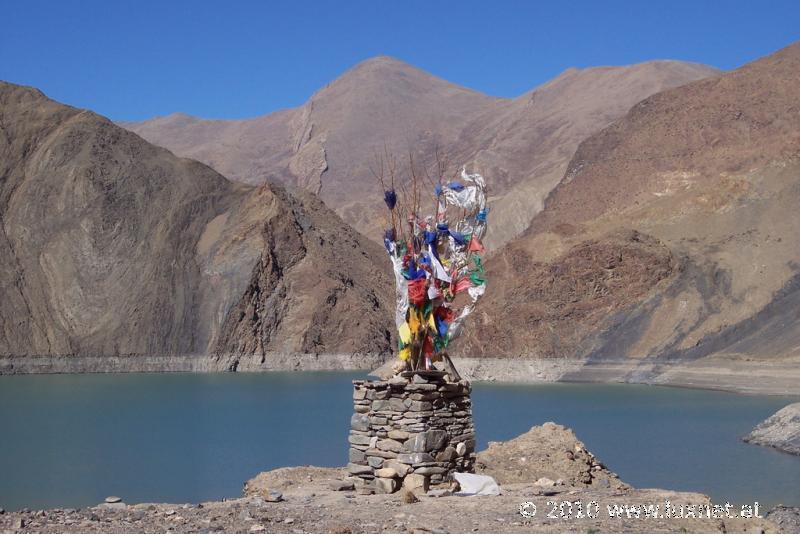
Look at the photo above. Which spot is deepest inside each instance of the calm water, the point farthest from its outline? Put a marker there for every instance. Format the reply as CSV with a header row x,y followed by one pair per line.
x,y
71,440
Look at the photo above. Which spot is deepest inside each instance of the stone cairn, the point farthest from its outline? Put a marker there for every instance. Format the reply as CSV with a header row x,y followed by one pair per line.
x,y
410,431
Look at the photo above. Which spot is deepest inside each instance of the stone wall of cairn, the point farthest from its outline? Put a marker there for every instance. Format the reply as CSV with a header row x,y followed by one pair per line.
x,y
410,432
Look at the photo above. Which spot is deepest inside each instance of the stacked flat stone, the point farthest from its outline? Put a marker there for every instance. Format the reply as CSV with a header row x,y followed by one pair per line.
x,y
410,432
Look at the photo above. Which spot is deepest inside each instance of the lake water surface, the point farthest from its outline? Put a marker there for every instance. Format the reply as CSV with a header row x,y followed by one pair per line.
x,y
71,440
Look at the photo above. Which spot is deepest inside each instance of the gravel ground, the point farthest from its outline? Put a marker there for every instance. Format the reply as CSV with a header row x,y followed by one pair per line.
x,y
314,507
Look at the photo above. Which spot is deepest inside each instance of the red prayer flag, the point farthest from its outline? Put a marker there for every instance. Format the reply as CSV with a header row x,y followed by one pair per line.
x,y
417,291
460,285
475,246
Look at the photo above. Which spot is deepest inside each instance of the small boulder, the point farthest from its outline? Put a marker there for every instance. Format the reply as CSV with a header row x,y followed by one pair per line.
x,y
390,445
342,485
386,485
360,439
414,482
360,422
427,441
398,381
273,496
399,435
357,457
357,469
386,472
414,458
400,468
447,455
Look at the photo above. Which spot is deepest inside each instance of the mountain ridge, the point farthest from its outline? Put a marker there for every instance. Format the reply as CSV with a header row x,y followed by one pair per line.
x,y
328,144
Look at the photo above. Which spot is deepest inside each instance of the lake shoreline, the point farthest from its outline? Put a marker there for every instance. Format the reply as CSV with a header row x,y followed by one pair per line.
x,y
734,374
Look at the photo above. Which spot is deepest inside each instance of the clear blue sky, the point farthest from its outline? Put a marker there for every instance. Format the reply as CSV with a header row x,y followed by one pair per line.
x,y
131,60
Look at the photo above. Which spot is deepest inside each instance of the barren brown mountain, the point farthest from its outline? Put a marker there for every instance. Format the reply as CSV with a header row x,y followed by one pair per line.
x,y
327,145
673,235
112,246
524,145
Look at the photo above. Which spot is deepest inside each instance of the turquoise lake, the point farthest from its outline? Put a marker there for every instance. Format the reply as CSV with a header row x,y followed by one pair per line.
x,y
71,440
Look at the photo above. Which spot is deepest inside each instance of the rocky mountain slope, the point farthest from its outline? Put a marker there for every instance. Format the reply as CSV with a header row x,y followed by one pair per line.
x,y
524,145
112,246
780,430
328,144
672,236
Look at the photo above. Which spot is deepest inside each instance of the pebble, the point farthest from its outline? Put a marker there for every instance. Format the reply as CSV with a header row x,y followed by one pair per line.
x,y
113,499
274,496
258,528
288,520
342,485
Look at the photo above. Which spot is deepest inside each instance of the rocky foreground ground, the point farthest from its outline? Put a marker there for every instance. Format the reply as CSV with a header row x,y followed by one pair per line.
x,y
547,464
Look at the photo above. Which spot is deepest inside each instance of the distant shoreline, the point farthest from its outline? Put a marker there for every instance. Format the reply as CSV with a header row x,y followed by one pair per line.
x,y
723,373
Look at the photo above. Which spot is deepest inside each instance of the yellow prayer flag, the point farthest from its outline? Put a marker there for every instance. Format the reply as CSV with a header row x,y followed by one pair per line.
x,y
413,321
405,333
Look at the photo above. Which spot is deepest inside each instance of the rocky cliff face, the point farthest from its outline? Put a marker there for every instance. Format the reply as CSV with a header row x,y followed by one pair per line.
x,y
318,286
547,309
707,176
110,245
328,145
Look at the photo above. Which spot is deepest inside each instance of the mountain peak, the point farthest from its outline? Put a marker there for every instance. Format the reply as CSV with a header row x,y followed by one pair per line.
x,y
384,69
383,61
